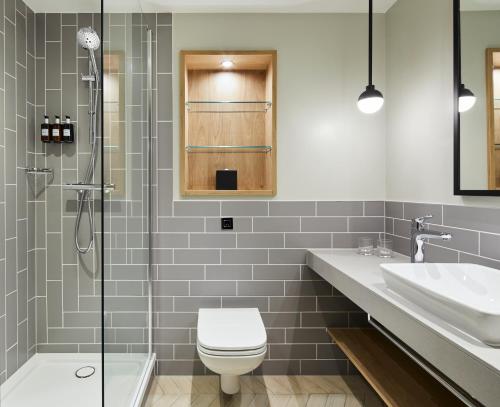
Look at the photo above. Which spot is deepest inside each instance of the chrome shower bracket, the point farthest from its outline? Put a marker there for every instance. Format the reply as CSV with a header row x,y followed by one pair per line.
x,y
88,78
34,170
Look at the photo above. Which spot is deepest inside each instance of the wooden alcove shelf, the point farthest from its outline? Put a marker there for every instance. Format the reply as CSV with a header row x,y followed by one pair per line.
x,y
228,121
396,378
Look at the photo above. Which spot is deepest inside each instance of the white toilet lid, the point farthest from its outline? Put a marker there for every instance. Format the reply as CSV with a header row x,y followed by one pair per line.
x,y
231,329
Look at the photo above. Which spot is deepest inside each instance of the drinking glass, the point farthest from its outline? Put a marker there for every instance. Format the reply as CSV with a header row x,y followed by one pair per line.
x,y
384,248
365,246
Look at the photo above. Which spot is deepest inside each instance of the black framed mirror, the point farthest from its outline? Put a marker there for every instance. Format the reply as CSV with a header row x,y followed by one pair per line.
x,y
476,39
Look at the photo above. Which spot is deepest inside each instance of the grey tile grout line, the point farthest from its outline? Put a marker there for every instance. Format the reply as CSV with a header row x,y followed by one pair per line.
x,y
4,214
17,187
60,169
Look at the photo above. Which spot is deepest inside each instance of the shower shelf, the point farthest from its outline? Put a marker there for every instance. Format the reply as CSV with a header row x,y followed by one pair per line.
x,y
209,149
38,171
90,187
228,106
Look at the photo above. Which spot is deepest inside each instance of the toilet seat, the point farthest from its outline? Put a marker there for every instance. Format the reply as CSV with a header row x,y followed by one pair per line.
x,y
234,353
231,331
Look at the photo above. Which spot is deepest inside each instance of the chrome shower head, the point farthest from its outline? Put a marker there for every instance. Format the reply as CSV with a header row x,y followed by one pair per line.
x,y
88,38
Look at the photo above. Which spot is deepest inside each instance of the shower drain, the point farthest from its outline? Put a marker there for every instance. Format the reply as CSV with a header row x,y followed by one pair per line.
x,y
85,372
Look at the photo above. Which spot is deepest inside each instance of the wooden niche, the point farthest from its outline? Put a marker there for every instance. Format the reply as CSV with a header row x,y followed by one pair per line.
x,y
228,121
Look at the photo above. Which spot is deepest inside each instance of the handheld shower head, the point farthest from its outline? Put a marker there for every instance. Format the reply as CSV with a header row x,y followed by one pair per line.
x,y
88,38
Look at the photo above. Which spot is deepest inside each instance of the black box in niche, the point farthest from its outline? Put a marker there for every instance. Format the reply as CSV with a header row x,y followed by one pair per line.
x,y
226,179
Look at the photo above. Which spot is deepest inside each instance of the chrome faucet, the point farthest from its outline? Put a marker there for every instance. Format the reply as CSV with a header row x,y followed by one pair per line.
x,y
418,236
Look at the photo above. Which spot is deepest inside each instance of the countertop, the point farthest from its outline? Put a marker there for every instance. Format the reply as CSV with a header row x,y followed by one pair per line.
x,y
468,362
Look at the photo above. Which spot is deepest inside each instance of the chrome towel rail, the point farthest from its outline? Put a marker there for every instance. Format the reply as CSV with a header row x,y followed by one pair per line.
x,y
463,396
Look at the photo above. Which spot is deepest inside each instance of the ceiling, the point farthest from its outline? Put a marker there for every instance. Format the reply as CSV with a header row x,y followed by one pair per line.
x,y
211,6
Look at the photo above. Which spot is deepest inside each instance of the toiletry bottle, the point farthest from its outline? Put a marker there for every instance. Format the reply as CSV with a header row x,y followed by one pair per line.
x,y
46,130
57,131
68,131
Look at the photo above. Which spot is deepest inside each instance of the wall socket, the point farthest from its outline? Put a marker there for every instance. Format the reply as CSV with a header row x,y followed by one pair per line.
x,y
226,223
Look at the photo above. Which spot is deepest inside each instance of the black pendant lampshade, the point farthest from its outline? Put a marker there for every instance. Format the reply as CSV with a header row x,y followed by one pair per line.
x,y
371,100
466,99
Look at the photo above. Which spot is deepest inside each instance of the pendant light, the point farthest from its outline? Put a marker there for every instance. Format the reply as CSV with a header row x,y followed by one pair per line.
x,y
371,100
466,98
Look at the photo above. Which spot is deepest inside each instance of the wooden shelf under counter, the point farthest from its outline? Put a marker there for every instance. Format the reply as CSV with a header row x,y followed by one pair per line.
x,y
395,377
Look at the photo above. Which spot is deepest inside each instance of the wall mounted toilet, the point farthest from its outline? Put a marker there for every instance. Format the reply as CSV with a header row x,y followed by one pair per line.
x,y
231,342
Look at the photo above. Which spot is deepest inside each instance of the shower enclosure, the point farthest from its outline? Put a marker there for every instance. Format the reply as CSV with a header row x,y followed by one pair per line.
x,y
77,327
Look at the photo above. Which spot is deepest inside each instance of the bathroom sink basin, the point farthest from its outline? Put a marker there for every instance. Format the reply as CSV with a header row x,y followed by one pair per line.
x,y
465,295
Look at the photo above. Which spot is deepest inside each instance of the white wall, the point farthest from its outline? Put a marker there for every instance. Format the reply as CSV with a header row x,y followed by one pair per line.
x,y
419,99
327,149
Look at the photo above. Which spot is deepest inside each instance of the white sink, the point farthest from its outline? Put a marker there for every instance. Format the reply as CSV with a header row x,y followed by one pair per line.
x,y
465,295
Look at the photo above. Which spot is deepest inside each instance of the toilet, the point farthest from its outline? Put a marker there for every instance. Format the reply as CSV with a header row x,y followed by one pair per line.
x,y
231,342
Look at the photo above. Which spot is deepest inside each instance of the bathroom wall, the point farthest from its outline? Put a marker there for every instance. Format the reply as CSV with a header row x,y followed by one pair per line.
x,y
17,190
475,230
420,146
51,296
419,71
419,102
68,284
126,221
322,69
261,263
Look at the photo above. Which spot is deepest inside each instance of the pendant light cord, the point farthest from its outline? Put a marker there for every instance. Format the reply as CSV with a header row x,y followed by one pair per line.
x,y
370,42
371,100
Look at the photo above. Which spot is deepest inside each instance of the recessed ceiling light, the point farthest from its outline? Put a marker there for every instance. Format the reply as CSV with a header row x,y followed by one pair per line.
x,y
227,63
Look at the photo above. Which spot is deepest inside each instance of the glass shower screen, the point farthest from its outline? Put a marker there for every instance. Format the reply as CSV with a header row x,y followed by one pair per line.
x,y
126,146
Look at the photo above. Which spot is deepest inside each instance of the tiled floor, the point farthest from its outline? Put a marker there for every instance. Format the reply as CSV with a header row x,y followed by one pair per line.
x,y
263,391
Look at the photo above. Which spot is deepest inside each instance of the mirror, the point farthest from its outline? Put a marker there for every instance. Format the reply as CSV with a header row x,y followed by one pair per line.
x,y
477,68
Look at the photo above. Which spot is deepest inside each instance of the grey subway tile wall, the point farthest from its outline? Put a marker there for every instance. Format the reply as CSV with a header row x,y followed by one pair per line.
x,y
476,231
17,189
68,304
65,281
261,263
125,217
